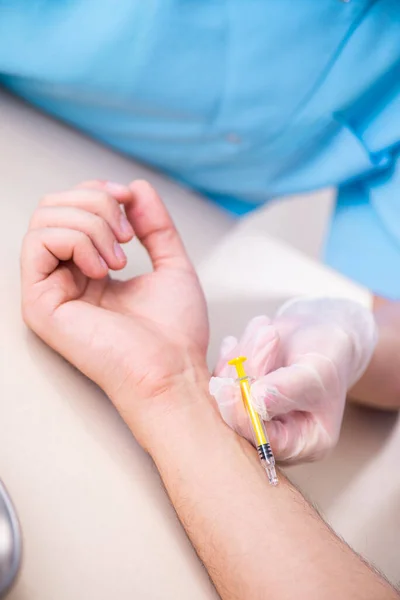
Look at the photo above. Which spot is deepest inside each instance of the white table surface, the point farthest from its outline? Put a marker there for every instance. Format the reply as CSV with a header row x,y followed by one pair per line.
x,y
96,521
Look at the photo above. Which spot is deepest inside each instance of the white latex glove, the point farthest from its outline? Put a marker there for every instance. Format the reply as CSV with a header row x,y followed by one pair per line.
x,y
304,361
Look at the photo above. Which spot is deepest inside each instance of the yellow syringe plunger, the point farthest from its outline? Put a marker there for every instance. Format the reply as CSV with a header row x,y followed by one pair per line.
x,y
238,364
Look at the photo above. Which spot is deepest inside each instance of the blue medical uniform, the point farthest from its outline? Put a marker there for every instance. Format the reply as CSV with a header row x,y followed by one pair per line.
x,y
244,100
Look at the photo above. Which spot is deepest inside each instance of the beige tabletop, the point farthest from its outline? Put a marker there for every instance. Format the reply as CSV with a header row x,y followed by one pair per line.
x,y
96,521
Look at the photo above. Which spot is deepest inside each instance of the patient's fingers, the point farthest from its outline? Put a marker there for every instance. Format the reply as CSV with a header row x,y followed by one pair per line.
x,y
95,227
155,228
120,192
98,202
47,284
43,249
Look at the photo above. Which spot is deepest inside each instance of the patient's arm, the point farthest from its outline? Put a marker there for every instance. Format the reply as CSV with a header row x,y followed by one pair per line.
x,y
380,384
255,540
144,342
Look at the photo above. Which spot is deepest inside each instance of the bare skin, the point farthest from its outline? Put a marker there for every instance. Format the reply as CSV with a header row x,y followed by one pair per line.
x,y
144,342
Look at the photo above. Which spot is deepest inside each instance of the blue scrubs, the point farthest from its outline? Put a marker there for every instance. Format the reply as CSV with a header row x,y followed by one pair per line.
x,y
243,100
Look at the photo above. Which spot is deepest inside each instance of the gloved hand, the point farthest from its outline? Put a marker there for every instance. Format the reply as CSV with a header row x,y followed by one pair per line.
x,y
303,362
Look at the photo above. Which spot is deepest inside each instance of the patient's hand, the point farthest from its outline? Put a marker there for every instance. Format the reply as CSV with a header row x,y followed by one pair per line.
x,y
138,338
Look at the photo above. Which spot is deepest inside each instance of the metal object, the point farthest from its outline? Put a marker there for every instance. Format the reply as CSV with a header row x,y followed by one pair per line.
x,y
10,542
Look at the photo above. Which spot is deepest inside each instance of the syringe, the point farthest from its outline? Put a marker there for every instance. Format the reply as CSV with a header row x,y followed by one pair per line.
x,y
260,435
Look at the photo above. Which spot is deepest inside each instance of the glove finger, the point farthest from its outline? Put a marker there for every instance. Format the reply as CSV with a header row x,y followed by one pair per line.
x,y
252,329
229,348
298,437
305,385
217,384
250,342
260,344
229,400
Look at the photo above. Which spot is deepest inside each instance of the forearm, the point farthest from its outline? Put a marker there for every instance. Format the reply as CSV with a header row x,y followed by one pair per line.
x,y
253,539
380,384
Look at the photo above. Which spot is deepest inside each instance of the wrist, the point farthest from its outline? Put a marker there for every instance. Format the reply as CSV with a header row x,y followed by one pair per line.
x,y
188,417
181,400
